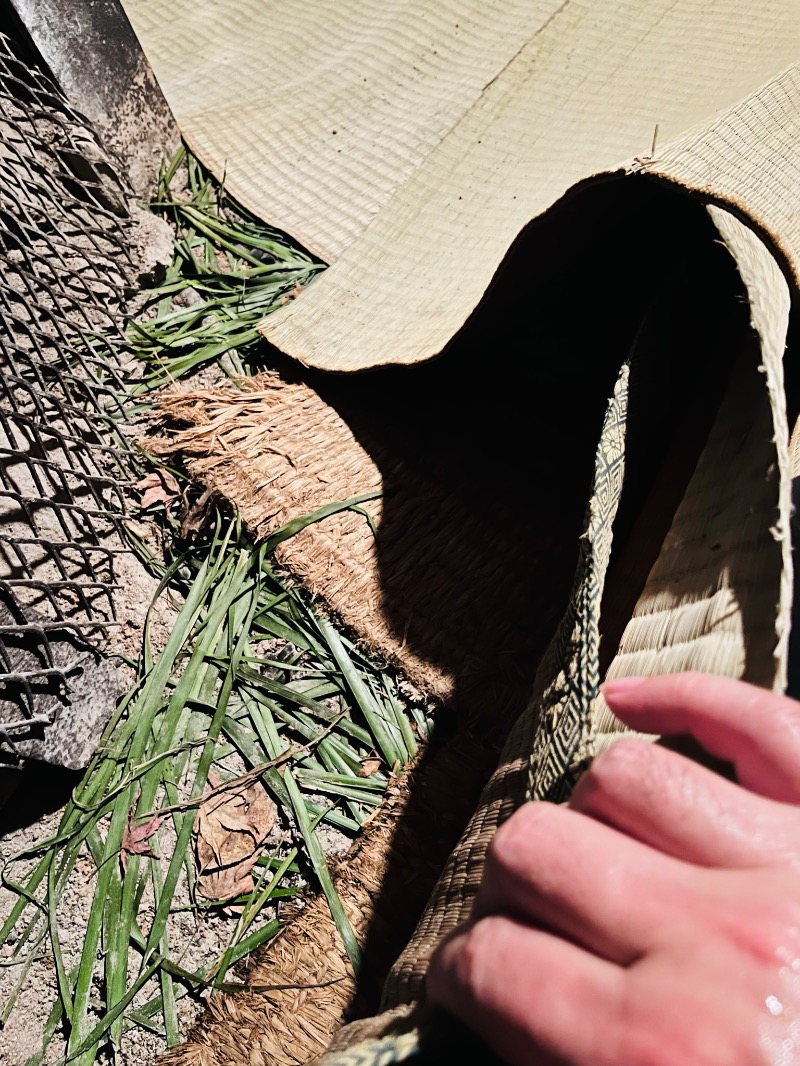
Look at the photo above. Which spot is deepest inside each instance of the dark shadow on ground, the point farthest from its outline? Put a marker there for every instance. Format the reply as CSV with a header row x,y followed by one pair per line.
x,y
28,795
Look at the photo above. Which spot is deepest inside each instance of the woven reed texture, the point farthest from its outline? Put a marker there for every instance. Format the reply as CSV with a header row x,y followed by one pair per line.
x,y
706,605
402,141
743,158
716,599
417,202
451,901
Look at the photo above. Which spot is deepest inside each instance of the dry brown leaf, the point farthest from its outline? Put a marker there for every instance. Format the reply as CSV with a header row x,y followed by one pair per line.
x,y
369,766
159,486
292,294
232,824
135,838
196,515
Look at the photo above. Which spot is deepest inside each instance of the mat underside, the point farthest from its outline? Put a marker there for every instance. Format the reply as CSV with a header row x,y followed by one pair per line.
x,y
716,599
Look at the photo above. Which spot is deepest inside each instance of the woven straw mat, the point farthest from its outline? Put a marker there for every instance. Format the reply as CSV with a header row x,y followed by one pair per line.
x,y
408,143
715,598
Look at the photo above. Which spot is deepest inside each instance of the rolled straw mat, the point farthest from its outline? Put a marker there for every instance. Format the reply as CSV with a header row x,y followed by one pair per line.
x,y
695,429
434,157
716,599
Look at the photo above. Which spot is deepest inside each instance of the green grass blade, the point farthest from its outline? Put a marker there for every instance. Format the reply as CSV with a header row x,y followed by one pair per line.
x,y
320,865
386,742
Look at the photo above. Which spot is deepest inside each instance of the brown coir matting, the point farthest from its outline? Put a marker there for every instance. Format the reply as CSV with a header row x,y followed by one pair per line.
x,y
484,458
445,596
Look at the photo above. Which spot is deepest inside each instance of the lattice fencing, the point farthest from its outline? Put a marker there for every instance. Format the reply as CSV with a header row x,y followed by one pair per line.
x,y
64,459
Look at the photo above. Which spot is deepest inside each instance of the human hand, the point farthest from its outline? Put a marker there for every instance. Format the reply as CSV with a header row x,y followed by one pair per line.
x,y
655,919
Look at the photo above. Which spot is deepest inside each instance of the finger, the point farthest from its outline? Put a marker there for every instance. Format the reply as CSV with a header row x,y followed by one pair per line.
x,y
685,810
529,994
556,868
756,730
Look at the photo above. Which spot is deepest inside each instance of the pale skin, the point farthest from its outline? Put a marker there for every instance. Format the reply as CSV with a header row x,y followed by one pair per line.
x,y
655,919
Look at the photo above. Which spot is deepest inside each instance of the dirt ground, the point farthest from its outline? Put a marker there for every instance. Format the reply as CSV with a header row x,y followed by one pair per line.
x,y
35,798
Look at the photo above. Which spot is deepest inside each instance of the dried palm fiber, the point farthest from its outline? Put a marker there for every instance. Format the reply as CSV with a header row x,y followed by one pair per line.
x,y
279,450
290,1025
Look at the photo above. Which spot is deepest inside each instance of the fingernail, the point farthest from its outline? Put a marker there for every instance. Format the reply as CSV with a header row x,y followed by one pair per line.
x,y
620,686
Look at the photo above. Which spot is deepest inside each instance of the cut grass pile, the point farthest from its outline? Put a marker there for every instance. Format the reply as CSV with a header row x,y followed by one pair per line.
x,y
252,681
308,722
229,271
